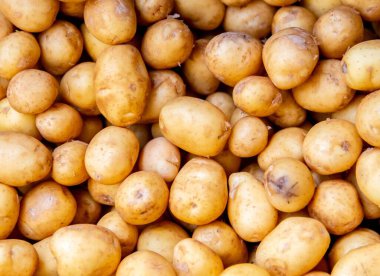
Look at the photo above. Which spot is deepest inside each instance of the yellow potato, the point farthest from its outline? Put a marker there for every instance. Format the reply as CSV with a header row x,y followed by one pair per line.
x,y
349,112
74,9
244,270
88,210
237,114
293,16
320,7
47,265
103,193
93,46
9,210
317,273
235,2
153,10
255,170
91,126
142,133
223,101
6,26
280,2
369,9
3,87
229,161
284,215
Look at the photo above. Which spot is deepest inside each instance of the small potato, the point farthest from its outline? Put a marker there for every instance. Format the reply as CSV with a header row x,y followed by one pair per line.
x,y
127,234
237,114
142,198
332,146
229,161
31,16
111,155
349,112
369,9
284,215
294,247
200,79
249,136
284,143
18,258
23,159
199,193
85,249
223,101
74,9
361,65
145,263
121,100
103,193
18,51
111,21
68,163
161,238
93,46
331,31
3,87
166,85
61,47
320,7
336,204
88,210
201,14
361,261
9,210
257,96
91,126
191,257
250,213
162,157
326,90
142,133
194,125
223,240
280,3
59,123
47,265
44,209
301,52
254,18
6,26
293,16
232,56
235,2
244,270
255,170
152,11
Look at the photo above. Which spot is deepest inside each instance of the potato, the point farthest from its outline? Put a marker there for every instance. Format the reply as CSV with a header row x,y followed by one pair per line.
x,y
111,21
145,263
325,91
249,211
320,7
201,14
44,209
284,215
23,159
369,9
103,193
199,78
142,133
280,2
47,265
349,112
31,16
3,87
161,238
289,185
166,85
18,51
91,126
336,204
232,56
59,123
257,96
74,9
61,47
94,47
249,136
244,270
360,66
317,273
284,143
152,11
88,210
18,258
85,249
235,2
331,31
362,261
302,52
255,170
127,234
6,26
191,257
294,247
199,193
9,210
293,16
229,161
237,114
121,100
331,146
223,101
254,18
203,129
224,241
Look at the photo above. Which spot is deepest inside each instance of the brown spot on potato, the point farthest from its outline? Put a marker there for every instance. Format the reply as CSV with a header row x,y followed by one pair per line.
x,y
344,68
345,145
281,186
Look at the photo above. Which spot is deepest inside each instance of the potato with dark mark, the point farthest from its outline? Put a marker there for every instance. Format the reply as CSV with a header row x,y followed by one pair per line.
x,y
47,265
91,126
369,9
349,112
9,210
294,247
150,11
223,101
293,16
103,193
244,269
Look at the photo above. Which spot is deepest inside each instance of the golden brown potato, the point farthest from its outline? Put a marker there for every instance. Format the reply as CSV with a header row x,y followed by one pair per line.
x,y
369,9
254,18
223,101
331,31
74,9
91,126
23,159
93,46
111,155
317,273
18,51
47,265
301,52
9,210
194,125
244,270
61,47
18,258
349,112
294,247
284,215
150,11
88,210
255,170
332,146
232,56
3,87
142,133
280,2
166,85
199,193
293,16
111,21
6,26
237,114
161,238
103,193
85,249
249,211
229,161
235,2
320,7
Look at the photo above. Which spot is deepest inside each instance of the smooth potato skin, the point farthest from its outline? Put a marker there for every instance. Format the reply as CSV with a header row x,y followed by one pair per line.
x,y
153,10
245,269
321,7
88,210
91,126
74,9
93,46
369,9
293,16
6,26
47,265
9,210
103,193
223,101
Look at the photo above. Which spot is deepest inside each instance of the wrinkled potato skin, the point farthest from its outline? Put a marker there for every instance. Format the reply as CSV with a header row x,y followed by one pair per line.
x,y
244,270
94,47
47,265
91,126
9,210
349,112
320,7
88,210
293,16
223,101
6,26
369,9
150,11
103,193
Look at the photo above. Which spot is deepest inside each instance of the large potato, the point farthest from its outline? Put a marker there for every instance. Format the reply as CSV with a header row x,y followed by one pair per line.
x,y
47,265
121,100
293,16
369,9
244,270
152,11
103,193
9,210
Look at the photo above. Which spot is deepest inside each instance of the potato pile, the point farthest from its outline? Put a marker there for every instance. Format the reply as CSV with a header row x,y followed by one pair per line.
x,y
190,137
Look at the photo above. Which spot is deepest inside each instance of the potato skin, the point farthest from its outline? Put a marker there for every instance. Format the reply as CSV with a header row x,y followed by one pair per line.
x,y
153,10
293,16
280,2
223,101
235,2
9,210
6,26
74,9
369,9
47,265
94,47
88,210
349,112
244,269
103,193
91,126
321,7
